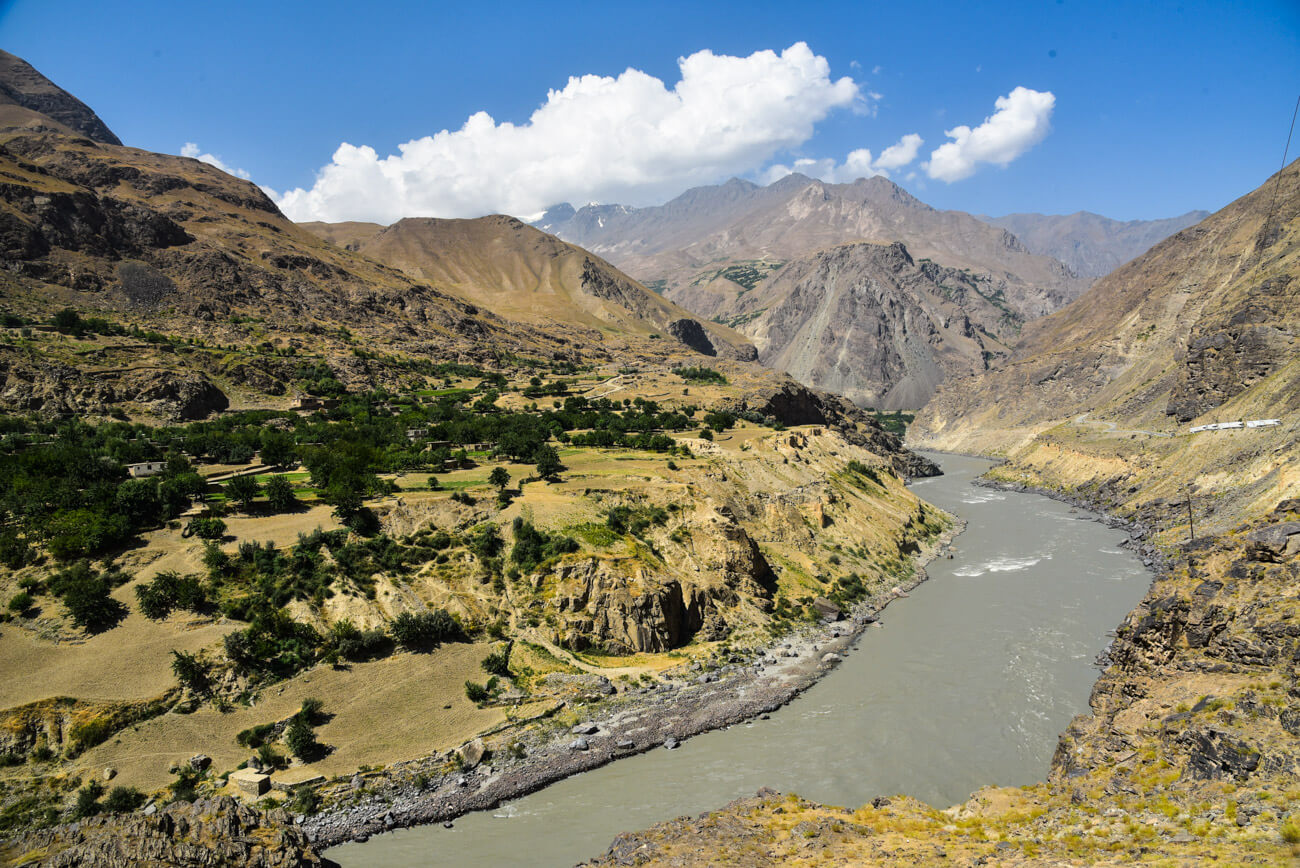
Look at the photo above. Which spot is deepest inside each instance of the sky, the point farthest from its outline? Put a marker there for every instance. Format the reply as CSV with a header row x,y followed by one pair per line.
x,y
1133,110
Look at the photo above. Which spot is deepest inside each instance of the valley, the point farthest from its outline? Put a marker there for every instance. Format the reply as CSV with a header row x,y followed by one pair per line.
x,y
312,532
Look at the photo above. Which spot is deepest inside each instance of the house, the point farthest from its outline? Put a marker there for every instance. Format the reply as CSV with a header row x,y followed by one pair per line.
x,y
146,468
414,434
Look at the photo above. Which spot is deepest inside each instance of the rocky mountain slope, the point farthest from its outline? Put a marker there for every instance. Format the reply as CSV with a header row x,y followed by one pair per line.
x,y
1200,329
729,232
1091,245
868,322
524,274
27,97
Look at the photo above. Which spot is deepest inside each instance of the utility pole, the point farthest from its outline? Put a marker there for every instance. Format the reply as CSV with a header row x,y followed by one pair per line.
x,y
1191,521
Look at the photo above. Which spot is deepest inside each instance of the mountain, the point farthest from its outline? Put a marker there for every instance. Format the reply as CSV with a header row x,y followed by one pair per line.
x,y
1202,328
29,98
1091,245
525,274
727,232
869,322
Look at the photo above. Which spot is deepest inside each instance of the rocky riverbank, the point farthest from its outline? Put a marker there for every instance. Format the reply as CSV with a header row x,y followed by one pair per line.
x,y
512,764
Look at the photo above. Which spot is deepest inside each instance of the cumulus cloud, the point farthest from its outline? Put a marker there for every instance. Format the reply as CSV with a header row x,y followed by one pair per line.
x,y
1022,119
190,149
627,139
858,164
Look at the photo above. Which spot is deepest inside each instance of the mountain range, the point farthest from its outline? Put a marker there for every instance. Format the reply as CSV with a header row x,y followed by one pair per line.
x,y
1089,244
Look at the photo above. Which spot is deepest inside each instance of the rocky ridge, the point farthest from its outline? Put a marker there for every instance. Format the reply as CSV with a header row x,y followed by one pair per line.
x,y
869,322
1089,244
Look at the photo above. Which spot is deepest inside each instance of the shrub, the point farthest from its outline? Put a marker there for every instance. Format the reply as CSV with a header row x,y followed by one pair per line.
x,y
88,800
498,663
206,528
700,374
1291,830
424,630
20,602
356,645
122,800
301,740
191,672
476,692
90,733
169,591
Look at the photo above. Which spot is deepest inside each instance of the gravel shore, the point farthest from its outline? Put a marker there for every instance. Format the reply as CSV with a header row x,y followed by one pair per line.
x,y
622,724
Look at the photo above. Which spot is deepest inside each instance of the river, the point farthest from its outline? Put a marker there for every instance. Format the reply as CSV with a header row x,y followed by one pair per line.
x,y
967,682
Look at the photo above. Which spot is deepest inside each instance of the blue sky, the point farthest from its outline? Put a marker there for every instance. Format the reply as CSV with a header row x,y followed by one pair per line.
x,y
1154,108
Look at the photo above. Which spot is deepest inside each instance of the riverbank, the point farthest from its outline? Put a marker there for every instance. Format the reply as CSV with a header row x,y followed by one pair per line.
x,y
743,687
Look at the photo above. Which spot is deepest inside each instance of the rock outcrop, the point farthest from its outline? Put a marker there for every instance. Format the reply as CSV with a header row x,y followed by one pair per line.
x,y
868,322
217,831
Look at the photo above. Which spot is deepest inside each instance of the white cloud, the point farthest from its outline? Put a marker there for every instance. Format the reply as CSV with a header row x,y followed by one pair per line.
x,y
898,155
1022,119
626,139
189,149
858,164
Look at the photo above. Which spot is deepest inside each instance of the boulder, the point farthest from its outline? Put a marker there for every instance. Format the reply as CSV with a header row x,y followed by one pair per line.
x,y
472,754
200,761
586,729
579,743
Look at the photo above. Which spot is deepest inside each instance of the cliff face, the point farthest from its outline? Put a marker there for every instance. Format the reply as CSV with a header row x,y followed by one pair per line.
x,y
218,831
868,322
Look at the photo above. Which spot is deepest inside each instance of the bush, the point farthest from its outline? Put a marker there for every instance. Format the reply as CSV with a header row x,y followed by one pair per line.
x,y
191,672
90,733
424,630
301,740
476,692
88,800
122,800
169,591
498,663
206,528
1291,830
700,374
20,602
356,645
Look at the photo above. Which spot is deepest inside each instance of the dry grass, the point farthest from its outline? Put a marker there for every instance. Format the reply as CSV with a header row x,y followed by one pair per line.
x,y
383,712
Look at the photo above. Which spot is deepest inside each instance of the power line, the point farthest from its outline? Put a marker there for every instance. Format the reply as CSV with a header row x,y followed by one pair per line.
x,y
1273,203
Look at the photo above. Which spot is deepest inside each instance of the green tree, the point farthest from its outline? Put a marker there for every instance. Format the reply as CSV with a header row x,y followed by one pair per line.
x,y
500,477
548,462
301,740
278,448
279,493
191,672
242,489
138,501
89,604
